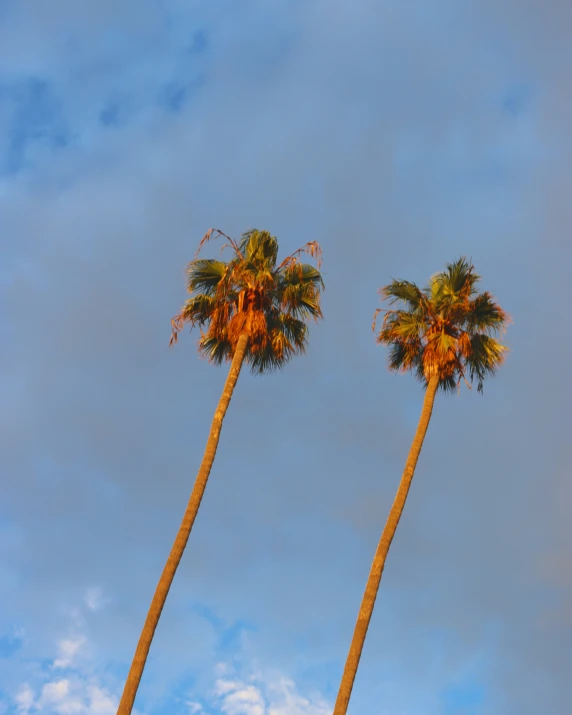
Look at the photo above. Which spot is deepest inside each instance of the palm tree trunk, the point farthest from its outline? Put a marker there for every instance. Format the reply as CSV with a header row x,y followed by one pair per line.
x,y
374,579
160,596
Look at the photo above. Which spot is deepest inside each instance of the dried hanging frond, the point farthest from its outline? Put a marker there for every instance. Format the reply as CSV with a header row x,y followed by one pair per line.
x,y
209,235
377,312
312,248
177,324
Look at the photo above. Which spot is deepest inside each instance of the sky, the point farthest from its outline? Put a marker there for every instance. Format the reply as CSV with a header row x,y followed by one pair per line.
x,y
400,136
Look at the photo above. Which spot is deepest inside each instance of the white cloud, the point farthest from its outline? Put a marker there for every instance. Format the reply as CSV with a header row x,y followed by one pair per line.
x,y
287,701
226,686
66,697
240,698
94,598
57,697
24,699
101,703
222,669
80,692
85,691
264,695
68,648
74,697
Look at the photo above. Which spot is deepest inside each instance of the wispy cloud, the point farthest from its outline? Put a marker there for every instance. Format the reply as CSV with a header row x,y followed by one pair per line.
x,y
82,690
78,691
66,696
94,598
239,698
67,650
24,699
258,694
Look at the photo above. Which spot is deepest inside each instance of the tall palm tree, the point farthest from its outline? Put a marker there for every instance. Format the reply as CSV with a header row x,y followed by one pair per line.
x,y
444,333
249,309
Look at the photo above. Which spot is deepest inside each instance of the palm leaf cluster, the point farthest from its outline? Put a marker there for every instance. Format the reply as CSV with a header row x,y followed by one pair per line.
x,y
447,329
255,295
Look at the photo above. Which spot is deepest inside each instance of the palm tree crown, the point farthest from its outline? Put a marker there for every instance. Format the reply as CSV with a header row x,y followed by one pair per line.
x,y
447,329
253,294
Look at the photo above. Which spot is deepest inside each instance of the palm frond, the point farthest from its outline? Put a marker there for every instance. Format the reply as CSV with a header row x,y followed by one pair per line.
x,y
287,337
298,291
486,356
458,277
404,291
199,309
483,314
449,383
442,342
259,247
404,356
215,349
205,275
402,325
296,272
450,290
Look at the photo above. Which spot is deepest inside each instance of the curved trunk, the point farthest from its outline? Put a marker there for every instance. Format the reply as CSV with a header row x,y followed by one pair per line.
x,y
160,596
372,587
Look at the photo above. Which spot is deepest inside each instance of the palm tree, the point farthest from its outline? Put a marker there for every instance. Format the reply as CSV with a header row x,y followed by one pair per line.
x,y
249,309
443,334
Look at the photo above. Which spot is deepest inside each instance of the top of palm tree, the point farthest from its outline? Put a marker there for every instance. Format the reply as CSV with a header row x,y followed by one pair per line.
x,y
254,294
447,329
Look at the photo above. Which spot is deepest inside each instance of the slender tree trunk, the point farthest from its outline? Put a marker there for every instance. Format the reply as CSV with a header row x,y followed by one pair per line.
x,y
374,579
160,596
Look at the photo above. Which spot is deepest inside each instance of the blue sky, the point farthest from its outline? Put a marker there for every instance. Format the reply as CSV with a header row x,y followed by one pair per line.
x,y
398,135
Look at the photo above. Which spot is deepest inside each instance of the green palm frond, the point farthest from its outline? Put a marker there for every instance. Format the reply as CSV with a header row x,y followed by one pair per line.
x,y
288,337
404,356
215,349
205,275
399,324
484,314
458,278
445,329
259,247
451,289
299,289
448,383
405,292
486,356
199,309
296,331
296,273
